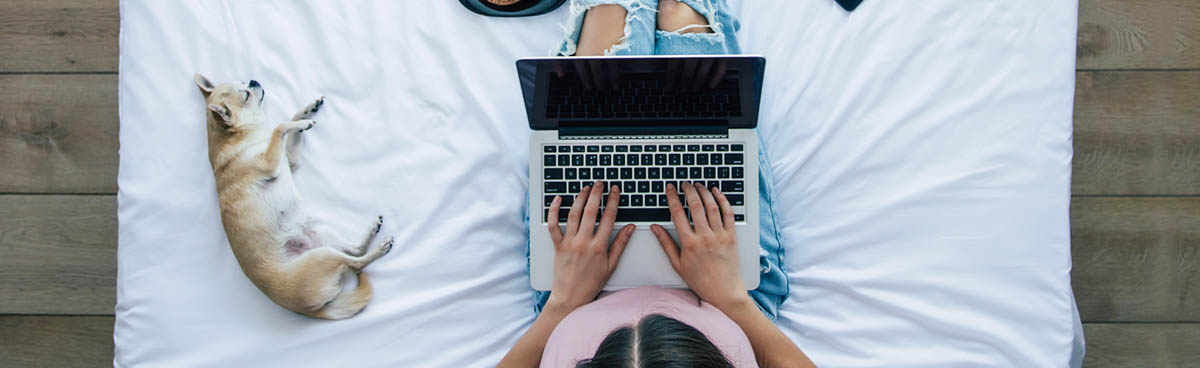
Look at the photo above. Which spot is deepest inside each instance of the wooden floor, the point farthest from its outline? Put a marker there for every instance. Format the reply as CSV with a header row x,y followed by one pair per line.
x,y
1135,213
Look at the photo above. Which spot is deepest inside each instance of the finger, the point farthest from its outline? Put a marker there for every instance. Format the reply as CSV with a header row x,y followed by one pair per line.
x,y
712,211
618,246
587,224
695,206
689,72
614,75
585,75
668,244
676,208
576,211
672,70
552,221
719,73
610,213
701,74
598,75
726,209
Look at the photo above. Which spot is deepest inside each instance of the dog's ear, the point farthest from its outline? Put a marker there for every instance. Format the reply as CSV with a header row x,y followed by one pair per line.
x,y
221,112
206,87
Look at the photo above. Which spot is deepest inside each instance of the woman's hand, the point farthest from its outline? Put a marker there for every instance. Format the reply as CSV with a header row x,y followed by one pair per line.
x,y
583,262
707,256
583,259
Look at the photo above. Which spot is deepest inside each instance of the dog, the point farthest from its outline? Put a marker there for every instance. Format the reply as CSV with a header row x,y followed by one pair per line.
x,y
296,262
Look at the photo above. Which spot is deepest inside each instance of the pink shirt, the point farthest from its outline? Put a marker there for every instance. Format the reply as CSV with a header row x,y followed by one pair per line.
x,y
579,334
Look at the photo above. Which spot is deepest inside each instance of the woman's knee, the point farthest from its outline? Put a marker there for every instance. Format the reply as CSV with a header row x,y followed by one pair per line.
x,y
603,27
675,16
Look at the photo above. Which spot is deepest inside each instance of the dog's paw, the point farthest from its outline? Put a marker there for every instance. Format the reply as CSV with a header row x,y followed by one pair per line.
x,y
310,110
378,224
387,246
316,105
309,125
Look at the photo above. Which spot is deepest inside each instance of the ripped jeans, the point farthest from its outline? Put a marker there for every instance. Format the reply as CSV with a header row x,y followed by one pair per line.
x,y
643,38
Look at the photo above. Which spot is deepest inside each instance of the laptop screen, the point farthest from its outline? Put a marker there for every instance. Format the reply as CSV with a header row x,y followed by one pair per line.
x,y
578,91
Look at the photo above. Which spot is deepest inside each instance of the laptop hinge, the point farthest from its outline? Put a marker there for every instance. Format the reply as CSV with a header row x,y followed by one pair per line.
x,y
653,129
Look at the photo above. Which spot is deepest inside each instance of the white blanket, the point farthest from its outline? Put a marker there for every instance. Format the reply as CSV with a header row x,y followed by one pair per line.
x,y
921,152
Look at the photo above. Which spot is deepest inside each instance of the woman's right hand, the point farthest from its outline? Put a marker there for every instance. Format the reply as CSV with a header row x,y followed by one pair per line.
x,y
707,255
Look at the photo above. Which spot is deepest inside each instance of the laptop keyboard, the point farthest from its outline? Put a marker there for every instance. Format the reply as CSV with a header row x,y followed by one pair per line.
x,y
642,172
641,95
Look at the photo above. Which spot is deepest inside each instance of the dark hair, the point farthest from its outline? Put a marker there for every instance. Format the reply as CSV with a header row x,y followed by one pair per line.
x,y
656,341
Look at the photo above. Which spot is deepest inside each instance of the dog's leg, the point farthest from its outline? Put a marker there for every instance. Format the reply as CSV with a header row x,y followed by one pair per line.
x,y
357,263
275,149
317,278
293,141
372,230
332,238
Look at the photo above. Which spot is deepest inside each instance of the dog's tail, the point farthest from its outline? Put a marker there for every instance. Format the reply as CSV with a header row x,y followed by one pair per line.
x,y
348,304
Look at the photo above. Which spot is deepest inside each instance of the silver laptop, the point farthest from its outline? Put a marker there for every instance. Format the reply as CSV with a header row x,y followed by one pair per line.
x,y
642,122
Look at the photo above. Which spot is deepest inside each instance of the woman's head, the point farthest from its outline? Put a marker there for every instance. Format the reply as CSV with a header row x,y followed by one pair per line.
x,y
656,341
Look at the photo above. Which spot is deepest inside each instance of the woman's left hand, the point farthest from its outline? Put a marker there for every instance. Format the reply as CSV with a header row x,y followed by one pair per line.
x,y
583,258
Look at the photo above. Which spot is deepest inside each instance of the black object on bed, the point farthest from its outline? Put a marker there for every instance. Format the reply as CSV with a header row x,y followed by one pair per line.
x,y
849,5
512,8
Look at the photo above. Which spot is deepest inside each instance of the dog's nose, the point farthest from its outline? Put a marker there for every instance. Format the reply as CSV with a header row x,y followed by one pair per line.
x,y
254,84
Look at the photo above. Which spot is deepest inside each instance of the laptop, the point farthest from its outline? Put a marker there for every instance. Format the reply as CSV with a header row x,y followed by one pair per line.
x,y
642,122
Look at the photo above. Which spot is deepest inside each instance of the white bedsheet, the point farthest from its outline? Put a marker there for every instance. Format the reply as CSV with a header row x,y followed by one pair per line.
x,y
921,152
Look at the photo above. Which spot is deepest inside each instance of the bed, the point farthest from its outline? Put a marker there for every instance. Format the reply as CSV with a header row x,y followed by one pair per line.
x,y
921,150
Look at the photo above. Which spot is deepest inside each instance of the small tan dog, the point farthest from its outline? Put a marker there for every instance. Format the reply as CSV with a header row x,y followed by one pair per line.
x,y
295,262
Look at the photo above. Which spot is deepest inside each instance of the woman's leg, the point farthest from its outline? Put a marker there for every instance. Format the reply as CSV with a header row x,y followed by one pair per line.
x,y
609,27
674,16
695,27
603,28
772,280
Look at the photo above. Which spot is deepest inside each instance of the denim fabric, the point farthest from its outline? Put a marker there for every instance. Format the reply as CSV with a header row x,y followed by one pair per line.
x,y
642,38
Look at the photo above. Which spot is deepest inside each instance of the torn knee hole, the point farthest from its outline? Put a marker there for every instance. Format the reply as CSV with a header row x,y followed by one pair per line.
x,y
677,17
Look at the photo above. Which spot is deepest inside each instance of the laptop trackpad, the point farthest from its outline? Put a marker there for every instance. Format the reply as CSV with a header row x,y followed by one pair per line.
x,y
644,263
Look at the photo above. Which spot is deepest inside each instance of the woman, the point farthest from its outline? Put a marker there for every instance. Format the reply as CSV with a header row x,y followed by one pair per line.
x,y
717,323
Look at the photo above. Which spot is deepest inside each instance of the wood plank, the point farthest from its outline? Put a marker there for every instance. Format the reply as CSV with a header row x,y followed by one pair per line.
x,y
56,341
1137,133
1136,259
1159,345
59,36
1143,34
58,133
58,254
